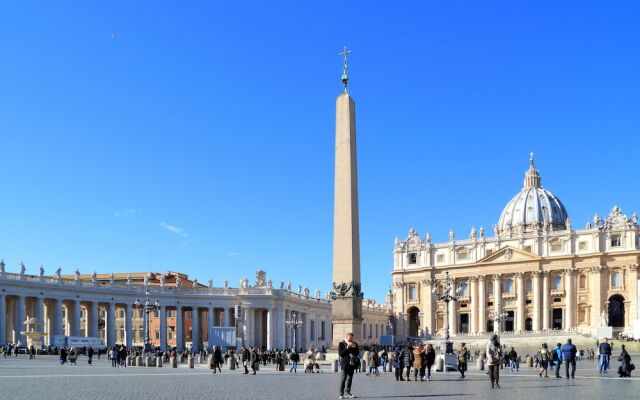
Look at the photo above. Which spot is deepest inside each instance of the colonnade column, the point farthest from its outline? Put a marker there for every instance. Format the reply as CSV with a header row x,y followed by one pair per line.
x,y
482,304
225,316
545,301
93,319
75,321
569,302
21,318
474,305
269,329
520,302
536,301
128,324
195,329
179,329
163,327
111,324
3,319
57,319
497,297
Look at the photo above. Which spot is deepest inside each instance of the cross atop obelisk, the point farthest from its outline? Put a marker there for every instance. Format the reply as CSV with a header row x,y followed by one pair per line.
x,y
346,310
345,67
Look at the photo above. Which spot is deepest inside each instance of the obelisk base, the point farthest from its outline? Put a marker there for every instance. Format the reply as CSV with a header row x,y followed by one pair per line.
x,y
346,316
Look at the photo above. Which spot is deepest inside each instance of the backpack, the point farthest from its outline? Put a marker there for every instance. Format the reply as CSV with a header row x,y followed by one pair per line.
x,y
554,356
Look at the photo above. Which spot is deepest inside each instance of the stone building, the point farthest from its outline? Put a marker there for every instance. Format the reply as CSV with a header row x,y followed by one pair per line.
x,y
536,267
102,306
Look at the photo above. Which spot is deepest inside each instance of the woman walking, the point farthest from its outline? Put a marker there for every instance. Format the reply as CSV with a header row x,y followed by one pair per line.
x,y
418,353
493,361
430,359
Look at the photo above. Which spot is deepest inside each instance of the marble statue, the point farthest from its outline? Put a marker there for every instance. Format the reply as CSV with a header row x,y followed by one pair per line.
x,y
567,224
210,282
495,230
162,279
472,235
23,269
270,283
452,235
77,274
226,284
59,273
261,280
178,282
2,266
604,319
289,286
299,289
482,232
41,270
427,237
129,279
317,294
146,280
306,292
194,284
94,276
281,285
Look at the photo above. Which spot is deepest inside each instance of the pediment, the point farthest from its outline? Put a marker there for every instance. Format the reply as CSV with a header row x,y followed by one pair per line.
x,y
509,254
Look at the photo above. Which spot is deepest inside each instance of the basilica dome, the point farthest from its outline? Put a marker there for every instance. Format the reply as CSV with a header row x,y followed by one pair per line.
x,y
533,208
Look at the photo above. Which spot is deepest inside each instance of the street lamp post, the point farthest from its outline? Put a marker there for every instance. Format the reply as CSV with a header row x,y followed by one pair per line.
x,y
146,308
447,297
293,323
498,318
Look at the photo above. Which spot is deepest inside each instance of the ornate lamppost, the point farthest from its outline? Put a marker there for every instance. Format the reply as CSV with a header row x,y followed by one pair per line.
x,y
293,323
447,297
498,318
146,308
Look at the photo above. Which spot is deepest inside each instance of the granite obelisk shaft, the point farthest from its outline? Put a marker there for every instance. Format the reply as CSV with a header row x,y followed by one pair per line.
x,y
347,304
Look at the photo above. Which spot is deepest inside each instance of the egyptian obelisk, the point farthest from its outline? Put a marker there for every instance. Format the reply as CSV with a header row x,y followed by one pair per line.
x,y
346,312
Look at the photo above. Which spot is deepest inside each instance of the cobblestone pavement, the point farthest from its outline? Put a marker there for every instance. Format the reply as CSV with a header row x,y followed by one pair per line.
x,y
43,378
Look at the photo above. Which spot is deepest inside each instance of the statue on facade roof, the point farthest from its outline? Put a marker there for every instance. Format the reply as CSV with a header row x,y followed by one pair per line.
x,y
2,266
210,282
634,218
289,286
261,278
129,279
282,284
59,272
427,237
194,283
41,270
481,232
23,269
94,276
317,294
567,224
306,292
146,280
77,274
178,282
397,243
162,279
604,319
270,283
226,283
452,235
495,230
299,289
472,235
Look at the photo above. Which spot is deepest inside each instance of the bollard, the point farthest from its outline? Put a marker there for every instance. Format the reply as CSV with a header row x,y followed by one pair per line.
x,y
159,362
148,362
190,362
174,362
232,363
389,366
210,362
139,361
199,359
480,364
128,361
529,361
334,365
363,366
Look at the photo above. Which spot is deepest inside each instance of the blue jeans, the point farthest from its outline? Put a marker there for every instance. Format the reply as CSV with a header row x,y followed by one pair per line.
x,y
513,364
603,363
294,366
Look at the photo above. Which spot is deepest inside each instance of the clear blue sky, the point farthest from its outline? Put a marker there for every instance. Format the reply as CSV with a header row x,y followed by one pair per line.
x,y
200,138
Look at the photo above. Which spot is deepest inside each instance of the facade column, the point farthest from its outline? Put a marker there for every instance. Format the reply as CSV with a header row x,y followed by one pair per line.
x,y
519,302
225,316
163,327
536,301
633,288
179,329
545,300
569,302
93,319
195,329
427,300
75,324
57,320
595,287
482,304
128,324
497,301
453,319
111,324
473,329
21,317
3,319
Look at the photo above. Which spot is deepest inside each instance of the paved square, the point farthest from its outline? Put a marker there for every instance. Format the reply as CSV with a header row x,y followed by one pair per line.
x,y
43,378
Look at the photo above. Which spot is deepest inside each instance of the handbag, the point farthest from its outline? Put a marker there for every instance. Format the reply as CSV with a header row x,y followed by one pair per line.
x,y
353,361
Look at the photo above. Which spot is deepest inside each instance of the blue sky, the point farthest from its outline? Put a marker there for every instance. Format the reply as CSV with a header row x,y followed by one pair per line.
x,y
200,136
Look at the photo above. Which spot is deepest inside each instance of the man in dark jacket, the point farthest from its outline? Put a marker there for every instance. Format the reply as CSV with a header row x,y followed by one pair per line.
x,y
406,360
349,361
246,356
604,354
569,355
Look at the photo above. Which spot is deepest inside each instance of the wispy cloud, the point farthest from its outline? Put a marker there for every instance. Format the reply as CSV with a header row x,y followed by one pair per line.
x,y
174,229
233,254
127,212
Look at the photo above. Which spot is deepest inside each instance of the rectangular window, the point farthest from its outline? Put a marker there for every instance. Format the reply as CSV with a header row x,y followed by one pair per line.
x,y
616,241
121,313
440,258
463,255
413,258
528,249
582,245
170,335
157,334
413,292
489,252
156,313
322,324
556,246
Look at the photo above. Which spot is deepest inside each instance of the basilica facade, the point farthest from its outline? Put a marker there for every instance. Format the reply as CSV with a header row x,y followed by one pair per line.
x,y
535,268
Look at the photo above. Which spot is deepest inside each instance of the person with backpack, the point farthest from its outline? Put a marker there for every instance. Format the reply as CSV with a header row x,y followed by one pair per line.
x,y
557,358
493,353
463,355
569,352
544,361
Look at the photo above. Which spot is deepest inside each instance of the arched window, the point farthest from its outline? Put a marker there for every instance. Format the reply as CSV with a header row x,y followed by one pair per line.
x,y
527,286
616,279
508,285
556,283
582,282
464,289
